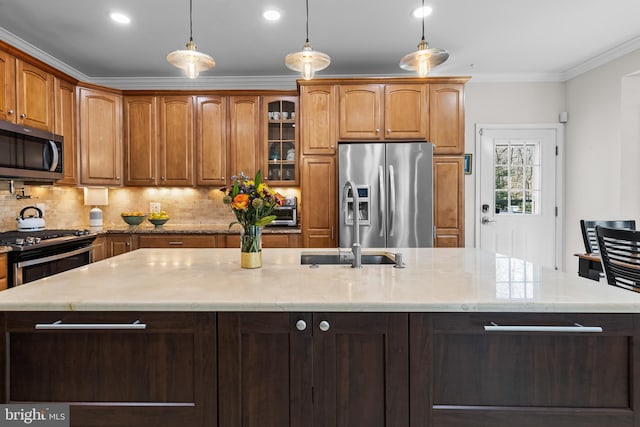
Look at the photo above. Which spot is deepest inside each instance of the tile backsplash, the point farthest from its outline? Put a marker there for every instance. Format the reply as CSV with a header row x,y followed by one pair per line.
x,y
64,206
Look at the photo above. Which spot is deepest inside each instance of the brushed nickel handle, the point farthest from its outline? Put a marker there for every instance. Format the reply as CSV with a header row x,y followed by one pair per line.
x,y
10,112
23,116
176,243
494,327
301,325
324,326
96,326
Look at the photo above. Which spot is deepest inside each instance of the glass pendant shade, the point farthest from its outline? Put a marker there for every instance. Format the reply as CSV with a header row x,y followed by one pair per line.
x,y
307,61
423,60
190,60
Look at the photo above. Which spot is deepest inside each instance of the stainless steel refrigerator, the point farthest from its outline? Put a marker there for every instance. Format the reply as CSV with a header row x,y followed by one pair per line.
x,y
395,188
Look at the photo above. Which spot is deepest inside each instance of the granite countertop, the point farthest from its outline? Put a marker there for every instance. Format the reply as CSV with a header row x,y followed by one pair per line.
x,y
434,280
4,249
195,229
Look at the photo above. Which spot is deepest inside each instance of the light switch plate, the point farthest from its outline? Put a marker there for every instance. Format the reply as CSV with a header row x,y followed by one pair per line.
x,y
154,207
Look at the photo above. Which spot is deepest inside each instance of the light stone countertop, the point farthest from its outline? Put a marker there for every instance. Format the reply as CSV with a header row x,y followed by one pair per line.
x,y
5,249
434,280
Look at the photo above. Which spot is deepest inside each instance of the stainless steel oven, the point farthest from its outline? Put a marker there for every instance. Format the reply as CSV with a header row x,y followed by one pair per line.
x,y
40,254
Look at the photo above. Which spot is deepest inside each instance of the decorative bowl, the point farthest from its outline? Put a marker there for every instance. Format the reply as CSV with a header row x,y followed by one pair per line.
x,y
133,219
158,222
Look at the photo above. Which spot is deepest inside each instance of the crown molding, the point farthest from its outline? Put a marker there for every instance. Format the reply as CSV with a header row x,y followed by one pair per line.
x,y
603,58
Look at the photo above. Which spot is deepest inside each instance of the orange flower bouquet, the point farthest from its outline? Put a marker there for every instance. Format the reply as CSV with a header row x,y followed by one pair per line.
x,y
252,202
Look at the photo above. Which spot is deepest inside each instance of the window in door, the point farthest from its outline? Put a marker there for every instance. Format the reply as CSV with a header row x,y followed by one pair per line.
x,y
517,177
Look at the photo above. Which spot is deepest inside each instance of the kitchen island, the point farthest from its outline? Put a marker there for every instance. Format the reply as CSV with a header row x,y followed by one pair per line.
x,y
165,337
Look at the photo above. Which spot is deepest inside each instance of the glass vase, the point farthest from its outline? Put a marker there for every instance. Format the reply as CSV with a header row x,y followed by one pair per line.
x,y
251,247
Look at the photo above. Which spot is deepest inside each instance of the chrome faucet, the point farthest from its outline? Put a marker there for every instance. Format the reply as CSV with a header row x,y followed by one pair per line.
x,y
356,248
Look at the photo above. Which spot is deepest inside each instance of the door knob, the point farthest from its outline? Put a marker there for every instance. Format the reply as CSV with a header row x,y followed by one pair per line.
x,y
301,325
324,326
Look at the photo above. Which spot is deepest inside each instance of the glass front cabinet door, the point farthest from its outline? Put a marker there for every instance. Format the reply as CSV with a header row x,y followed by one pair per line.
x,y
281,155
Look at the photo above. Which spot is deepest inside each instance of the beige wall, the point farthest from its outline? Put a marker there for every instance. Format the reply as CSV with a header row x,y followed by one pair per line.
x,y
601,167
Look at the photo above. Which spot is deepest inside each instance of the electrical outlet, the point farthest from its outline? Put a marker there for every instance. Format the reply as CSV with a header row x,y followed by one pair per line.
x,y
41,207
154,207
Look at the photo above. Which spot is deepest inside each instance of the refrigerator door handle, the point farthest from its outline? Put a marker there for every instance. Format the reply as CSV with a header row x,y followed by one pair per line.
x,y
392,199
382,202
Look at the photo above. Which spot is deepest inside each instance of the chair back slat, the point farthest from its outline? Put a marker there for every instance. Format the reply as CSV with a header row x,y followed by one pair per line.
x,y
620,253
588,228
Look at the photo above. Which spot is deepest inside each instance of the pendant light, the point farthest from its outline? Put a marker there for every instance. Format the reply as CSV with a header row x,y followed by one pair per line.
x,y
307,61
423,60
190,60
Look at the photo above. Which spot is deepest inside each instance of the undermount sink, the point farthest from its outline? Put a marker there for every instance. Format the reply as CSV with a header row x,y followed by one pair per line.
x,y
346,258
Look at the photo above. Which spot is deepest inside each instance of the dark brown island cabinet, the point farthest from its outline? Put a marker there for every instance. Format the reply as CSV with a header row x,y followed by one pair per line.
x,y
288,369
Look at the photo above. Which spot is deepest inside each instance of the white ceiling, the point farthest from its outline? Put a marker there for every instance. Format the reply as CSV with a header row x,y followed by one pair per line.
x,y
486,39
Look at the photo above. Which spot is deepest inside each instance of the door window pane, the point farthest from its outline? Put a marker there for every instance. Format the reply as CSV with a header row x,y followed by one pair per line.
x,y
517,177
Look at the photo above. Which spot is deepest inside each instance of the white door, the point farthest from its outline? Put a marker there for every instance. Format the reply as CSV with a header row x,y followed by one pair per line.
x,y
518,195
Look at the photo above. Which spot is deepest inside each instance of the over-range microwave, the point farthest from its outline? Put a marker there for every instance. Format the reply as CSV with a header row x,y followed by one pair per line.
x,y
30,154
286,215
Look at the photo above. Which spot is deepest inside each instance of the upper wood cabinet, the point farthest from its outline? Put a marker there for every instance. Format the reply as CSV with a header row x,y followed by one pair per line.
x,y
245,141
376,111
26,94
446,104
176,140
140,140
280,149
317,119
211,140
65,125
100,137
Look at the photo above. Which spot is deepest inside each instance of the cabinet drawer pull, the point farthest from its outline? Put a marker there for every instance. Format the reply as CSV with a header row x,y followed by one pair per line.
x,y
494,327
58,325
176,243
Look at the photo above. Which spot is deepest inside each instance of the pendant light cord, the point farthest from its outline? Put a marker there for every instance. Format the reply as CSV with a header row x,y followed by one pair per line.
x,y
191,20
308,21
422,20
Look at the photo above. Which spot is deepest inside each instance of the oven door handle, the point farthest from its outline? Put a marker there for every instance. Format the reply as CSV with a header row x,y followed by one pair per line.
x,y
56,257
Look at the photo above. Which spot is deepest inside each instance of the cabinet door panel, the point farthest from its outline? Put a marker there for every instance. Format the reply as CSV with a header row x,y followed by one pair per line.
x,y
264,370
245,135
141,140
318,207
7,87
176,140
34,96
446,110
448,183
360,112
360,370
406,112
211,140
317,117
65,98
100,137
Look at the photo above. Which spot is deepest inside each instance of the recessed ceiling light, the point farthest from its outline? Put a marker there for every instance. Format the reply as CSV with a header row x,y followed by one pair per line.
x,y
422,11
120,18
271,15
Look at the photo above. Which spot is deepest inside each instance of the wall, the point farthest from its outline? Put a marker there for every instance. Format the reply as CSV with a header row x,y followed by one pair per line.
x,y
504,103
601,170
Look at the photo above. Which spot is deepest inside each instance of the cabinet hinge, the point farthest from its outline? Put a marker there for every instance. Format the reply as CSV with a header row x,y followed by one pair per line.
x,y
556,150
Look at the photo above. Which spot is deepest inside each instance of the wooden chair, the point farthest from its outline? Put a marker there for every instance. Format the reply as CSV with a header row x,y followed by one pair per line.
x,y
620,253
589,231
